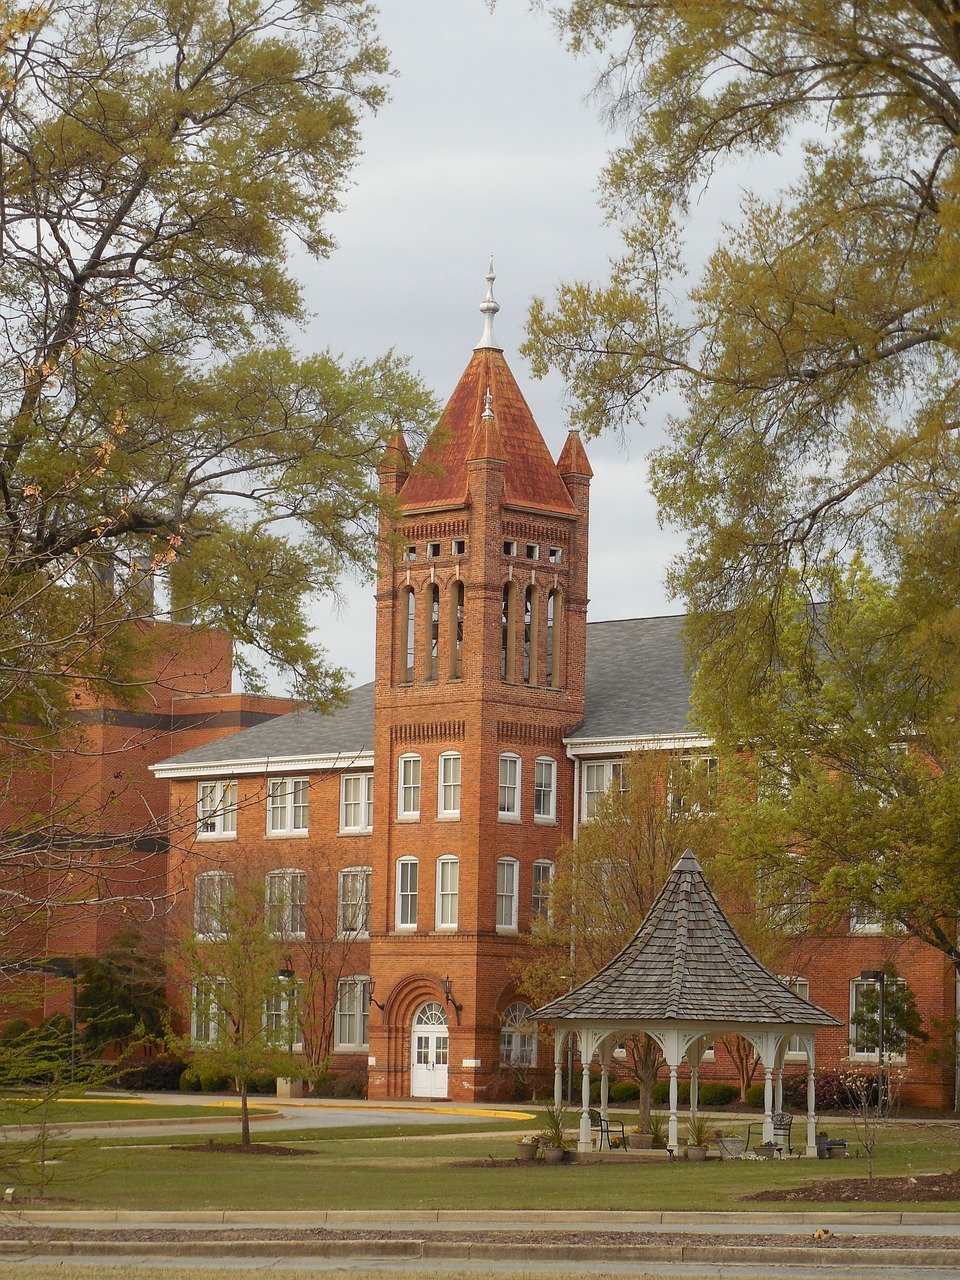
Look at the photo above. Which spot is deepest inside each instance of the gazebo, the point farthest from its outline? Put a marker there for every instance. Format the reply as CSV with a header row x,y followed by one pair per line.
x,y
686,978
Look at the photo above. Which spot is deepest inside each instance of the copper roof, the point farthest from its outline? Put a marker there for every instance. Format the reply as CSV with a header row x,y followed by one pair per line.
x,y
439,477
686,964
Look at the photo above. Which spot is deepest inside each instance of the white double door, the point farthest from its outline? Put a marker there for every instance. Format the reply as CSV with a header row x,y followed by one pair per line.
x,y
429,1053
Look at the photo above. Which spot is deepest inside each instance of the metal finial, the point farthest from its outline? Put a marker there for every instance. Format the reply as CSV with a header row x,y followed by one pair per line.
x,y
489,308
488,407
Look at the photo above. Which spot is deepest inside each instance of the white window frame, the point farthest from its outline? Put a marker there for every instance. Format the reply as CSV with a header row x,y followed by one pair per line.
x,y
352,1015
409,779
205,1025
357,907
283,1011
356,811
209,906
800,987
868,1055
408,893
541,885
597,777
545,794
518,1048
286,902
217,809
448,787
692,764
865,922
508,791
508,895
288,806
448,893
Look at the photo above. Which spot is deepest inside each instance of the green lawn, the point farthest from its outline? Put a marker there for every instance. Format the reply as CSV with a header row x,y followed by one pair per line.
x,y
345,1171
18,1110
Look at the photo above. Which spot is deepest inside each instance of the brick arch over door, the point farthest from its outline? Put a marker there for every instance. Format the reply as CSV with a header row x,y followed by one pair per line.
x,y
400,1009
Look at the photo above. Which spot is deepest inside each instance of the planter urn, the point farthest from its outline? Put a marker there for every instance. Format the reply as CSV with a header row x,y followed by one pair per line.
x,y
766,1153
526,1151
553,1155
695,1152
639,1141
836,1153
731,1148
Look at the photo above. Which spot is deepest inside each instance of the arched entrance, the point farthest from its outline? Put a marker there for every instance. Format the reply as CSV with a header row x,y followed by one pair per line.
x,y
429,1052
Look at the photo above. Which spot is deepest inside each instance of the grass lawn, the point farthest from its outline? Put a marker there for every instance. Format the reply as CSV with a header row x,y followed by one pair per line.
x,y
140,1271
343,1170
17,1110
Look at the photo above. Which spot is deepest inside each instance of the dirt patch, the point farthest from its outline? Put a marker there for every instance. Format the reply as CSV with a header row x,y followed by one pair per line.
x,y
237,1149
923,1188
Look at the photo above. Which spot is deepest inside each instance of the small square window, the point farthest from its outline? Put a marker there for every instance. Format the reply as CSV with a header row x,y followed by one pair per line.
x,y
556,555
433,550
509,548
410,552
459,546
533,551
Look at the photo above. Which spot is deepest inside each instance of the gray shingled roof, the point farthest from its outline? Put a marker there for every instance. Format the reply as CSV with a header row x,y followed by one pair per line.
x,y
686,964
349,731
637,683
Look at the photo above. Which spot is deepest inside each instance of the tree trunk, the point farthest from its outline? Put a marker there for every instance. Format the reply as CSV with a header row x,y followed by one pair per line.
x,y
745,1060
645,1062
244,1116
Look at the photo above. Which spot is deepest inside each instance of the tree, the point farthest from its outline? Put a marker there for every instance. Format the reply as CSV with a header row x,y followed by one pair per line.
x,y
815,354
121,993
606,881
158,167
244,1009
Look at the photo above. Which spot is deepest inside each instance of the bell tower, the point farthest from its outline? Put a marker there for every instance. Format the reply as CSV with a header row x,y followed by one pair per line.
x,y
481,616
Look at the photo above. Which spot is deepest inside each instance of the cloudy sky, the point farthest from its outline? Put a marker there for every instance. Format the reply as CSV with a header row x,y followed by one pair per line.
x,y
487,146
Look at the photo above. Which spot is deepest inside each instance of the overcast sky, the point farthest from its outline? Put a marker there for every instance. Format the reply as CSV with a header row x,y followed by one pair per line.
x,y
487,146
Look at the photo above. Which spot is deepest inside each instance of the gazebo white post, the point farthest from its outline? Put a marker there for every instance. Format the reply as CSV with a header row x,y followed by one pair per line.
x,y
808,1044
605,1050
588,1043
559,1043
694,1089
778,1088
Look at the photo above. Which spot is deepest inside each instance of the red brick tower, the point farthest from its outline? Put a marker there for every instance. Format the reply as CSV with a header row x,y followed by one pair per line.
x,y
481,615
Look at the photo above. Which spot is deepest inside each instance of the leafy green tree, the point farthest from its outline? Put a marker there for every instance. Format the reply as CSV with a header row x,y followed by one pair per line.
x,y
121,993
902,1022
244,1009
607,879
159,435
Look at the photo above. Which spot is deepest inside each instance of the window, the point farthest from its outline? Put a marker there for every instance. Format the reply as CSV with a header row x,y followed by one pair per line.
x,y
356,802
408,805
410,551
353,907
865,919
555,555
448,892
509,797
542,883
353,1013
693,784
508,633
456,631
432,623
448,790
518,1036
550,670
598,777
459,547
283,1015
507,876
509,547
530,635
408,876
212,900
287,903
287,806
783,898
864,1000
533,551
207,1017
433,550
799,987
545,790
216,809
408,636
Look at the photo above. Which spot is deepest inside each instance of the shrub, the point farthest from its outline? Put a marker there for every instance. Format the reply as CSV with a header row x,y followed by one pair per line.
x,y
203,1077
157,1075
624,1091
262,1082
660,1094
351,1084
324,1083
714,1093
754,1096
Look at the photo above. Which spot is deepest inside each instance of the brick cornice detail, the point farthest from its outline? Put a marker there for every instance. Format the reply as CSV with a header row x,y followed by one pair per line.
x,y
439,731
530,734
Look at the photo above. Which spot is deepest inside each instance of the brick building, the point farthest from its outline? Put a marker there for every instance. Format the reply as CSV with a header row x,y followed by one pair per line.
x,y
411,836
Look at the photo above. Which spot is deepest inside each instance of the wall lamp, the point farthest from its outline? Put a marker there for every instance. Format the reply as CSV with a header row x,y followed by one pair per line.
x,y
449,997
371,987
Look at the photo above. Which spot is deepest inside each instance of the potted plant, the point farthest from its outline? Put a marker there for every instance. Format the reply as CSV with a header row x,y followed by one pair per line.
x,y
730,1145
836,1148
697,1138
527,1147
766,1150
640,1139
553,1137
658,1131
822,1139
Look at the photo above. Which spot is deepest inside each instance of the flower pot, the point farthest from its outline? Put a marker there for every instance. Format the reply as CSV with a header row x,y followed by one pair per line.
x,y
766,1153
526,1151
553,1155
731,1148
696,1153
639,1141
836,1153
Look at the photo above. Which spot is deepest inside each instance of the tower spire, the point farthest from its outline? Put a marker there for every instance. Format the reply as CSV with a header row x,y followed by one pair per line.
x,y
489,308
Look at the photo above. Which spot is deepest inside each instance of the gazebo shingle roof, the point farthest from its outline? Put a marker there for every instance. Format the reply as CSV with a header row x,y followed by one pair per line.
x,y
686,963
